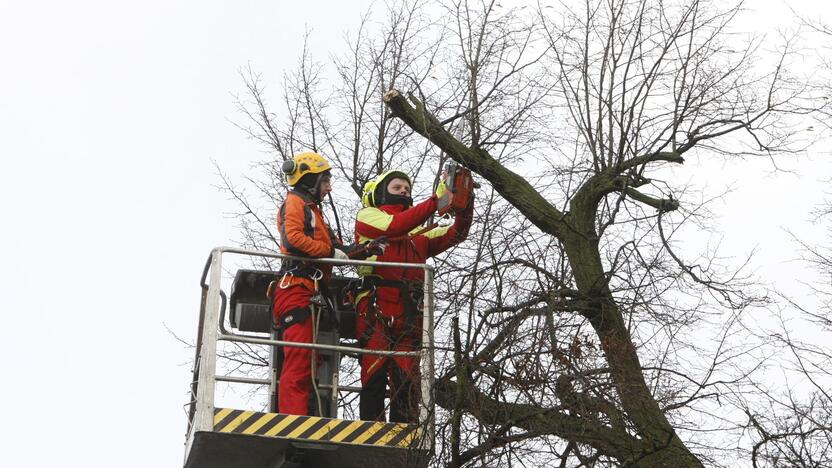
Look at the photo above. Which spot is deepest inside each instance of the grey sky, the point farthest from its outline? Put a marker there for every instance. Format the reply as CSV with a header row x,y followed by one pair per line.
x,y
110,114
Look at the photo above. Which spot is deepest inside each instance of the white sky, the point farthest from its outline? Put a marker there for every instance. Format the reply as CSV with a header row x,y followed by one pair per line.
x,y
110,113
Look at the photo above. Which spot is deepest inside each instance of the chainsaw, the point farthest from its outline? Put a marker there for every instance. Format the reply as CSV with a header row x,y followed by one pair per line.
x,y
462,185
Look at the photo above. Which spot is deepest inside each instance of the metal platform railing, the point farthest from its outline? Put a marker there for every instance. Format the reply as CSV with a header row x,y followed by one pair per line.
x,y
212,329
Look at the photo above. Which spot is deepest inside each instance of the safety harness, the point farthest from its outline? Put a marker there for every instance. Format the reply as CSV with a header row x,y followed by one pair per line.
x,y
316,308
410,292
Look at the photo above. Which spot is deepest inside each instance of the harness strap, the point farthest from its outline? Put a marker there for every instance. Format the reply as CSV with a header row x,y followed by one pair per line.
x,y
292,317
374,281
368,332
298,268
373,316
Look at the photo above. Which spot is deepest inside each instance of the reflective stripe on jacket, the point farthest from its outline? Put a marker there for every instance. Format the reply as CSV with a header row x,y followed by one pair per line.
x,y
393,221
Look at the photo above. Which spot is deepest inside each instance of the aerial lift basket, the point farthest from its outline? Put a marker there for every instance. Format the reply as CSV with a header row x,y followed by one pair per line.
x,y
252,438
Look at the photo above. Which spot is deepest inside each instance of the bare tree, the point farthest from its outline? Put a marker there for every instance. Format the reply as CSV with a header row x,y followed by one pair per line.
x,y
639,85
578,326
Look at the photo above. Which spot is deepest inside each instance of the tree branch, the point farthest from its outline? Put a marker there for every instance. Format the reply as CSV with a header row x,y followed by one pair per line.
x,y
513,187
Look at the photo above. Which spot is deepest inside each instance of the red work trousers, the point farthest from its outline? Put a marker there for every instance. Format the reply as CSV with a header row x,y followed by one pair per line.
x,y
389,330
296,376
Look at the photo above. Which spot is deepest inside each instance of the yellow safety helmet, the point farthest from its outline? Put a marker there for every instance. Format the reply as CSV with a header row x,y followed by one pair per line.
x,y
302,164
373,188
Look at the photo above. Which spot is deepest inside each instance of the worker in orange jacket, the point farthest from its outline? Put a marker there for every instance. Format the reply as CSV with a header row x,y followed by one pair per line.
x,y
303,233
389,302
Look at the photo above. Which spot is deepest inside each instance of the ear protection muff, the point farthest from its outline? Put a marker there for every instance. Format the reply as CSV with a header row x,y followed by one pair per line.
x,y
368,198
288,166
302,164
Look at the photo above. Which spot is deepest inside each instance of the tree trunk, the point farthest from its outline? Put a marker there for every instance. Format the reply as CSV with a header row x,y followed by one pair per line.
x,y
651,425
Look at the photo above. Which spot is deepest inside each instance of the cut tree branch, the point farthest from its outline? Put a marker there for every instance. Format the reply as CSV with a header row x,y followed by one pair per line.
x,y
513,187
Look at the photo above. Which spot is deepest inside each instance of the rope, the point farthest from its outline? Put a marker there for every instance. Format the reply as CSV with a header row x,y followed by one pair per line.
x,y
313,363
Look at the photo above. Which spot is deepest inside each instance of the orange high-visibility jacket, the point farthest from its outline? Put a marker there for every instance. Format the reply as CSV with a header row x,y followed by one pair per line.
x,y
304,233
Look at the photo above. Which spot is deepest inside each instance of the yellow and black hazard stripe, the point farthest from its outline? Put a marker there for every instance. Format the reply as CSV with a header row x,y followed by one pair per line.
x,y
314,428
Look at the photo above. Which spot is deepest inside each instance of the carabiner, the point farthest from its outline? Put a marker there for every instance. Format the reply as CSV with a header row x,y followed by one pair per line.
x,y
283,283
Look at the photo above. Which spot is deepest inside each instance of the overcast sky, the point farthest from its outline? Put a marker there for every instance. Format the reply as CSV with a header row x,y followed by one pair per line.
x,y
110,115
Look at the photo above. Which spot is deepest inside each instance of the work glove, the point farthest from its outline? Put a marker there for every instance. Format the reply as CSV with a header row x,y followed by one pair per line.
x,y
376,246
339,255
443,195
441,188
367,249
